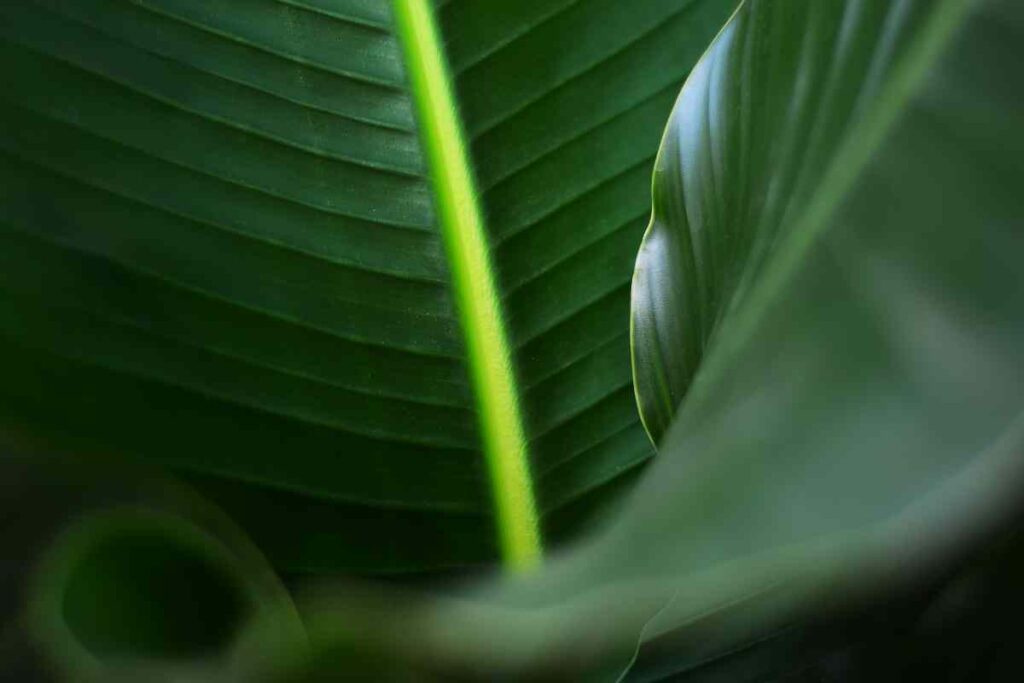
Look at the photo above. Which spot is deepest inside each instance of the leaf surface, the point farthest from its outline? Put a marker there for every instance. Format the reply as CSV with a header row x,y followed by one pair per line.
x,y
221,252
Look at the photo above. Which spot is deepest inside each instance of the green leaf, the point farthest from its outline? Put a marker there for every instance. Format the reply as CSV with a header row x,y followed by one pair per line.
x,y
860,402
856,424
224,248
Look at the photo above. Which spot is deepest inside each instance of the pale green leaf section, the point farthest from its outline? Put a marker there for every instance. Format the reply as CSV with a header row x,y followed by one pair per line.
x,y
474,286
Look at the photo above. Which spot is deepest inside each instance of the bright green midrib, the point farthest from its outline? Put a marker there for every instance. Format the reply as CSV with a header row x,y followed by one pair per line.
x,y
475,290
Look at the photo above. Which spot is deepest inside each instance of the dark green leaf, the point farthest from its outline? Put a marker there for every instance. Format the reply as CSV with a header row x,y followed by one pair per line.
x,y
219,252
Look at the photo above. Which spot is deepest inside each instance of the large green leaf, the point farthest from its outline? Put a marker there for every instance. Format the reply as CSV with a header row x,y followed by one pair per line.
x,y
221,252
857,418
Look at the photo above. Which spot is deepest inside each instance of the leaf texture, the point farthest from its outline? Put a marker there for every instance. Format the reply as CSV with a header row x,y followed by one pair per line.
x,y
563,103
220,253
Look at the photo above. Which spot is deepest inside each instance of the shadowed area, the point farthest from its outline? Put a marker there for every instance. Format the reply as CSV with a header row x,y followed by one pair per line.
x,y
135,592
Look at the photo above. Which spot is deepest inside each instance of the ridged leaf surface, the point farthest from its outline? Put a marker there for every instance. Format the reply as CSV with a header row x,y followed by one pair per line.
x,y
221,253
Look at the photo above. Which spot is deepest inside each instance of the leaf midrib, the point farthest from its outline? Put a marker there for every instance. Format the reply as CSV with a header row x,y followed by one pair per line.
x,y
474,285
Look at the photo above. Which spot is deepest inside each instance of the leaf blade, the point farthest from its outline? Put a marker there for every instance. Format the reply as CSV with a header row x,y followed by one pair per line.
x,y
246,258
